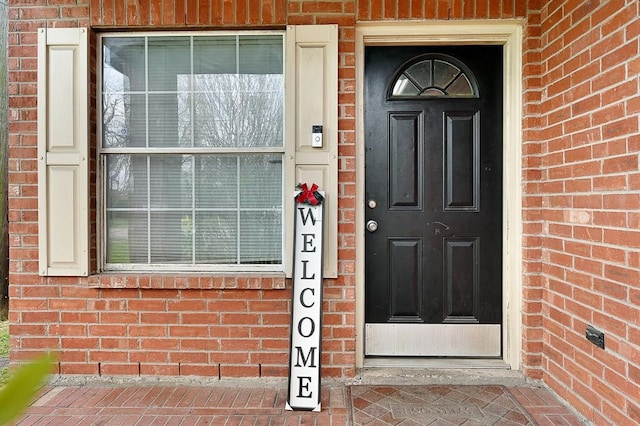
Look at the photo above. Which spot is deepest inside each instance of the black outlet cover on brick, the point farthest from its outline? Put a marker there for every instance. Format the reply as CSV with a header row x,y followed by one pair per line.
x,y
595,336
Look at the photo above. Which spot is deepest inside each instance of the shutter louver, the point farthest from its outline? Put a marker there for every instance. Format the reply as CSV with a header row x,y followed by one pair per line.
x,y
63,152
312,99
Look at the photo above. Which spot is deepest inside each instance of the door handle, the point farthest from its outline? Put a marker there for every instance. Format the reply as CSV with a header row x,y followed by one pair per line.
x,y
372,226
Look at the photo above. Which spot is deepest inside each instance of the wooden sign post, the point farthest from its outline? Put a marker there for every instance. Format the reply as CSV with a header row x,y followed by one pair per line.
x,y
306,326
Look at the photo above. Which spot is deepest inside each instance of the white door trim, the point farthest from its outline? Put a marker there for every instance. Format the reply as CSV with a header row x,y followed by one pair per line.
x,y
507,33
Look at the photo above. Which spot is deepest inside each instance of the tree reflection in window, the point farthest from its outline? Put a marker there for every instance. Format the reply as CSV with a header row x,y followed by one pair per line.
x,y
434,76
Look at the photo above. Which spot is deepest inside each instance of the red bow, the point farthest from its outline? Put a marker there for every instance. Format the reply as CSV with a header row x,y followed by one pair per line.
x,y
308,195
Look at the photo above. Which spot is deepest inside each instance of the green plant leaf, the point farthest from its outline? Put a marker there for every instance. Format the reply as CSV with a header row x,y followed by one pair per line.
x,y
23,384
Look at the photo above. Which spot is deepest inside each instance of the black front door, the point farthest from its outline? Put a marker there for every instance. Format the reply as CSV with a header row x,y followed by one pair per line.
x,y
433,156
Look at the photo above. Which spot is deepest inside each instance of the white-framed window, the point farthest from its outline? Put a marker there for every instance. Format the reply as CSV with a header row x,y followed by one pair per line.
x,y
191,149
166,171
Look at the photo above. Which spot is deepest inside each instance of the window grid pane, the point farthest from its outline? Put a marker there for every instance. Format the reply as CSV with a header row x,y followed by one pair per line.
x,y
193,92
227,214
182,98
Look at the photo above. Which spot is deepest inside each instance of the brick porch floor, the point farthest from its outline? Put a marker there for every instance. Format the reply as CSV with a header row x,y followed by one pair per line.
x,y
244,403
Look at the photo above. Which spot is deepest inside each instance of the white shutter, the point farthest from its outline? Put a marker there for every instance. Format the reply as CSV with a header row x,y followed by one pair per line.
x,y
63,151
312,99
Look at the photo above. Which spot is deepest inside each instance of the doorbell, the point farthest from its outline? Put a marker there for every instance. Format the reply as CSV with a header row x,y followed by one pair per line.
x,y
316,136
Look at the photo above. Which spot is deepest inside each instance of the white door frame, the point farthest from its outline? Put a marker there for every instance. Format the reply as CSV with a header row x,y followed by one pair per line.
x,y
507,33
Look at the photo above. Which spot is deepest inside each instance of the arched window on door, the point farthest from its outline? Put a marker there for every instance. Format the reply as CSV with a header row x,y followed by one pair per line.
x,y
433,76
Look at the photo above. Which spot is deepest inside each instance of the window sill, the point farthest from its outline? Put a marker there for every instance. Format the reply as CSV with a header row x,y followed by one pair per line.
x,y
168,281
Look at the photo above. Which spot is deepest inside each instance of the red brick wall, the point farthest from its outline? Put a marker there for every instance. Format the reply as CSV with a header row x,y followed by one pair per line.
x,y
590,203
532,283
185,325
164,324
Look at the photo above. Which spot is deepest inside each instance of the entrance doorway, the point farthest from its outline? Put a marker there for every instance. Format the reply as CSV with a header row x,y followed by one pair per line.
x,y
434,201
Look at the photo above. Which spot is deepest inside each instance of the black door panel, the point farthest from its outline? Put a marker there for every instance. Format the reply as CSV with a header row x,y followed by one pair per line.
x,y
434,169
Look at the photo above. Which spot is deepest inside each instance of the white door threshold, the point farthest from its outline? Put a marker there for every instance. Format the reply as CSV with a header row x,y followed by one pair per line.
x,y
424,371
435,363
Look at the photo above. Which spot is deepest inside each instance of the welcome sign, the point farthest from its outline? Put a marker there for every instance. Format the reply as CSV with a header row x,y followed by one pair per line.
x,y
306,329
